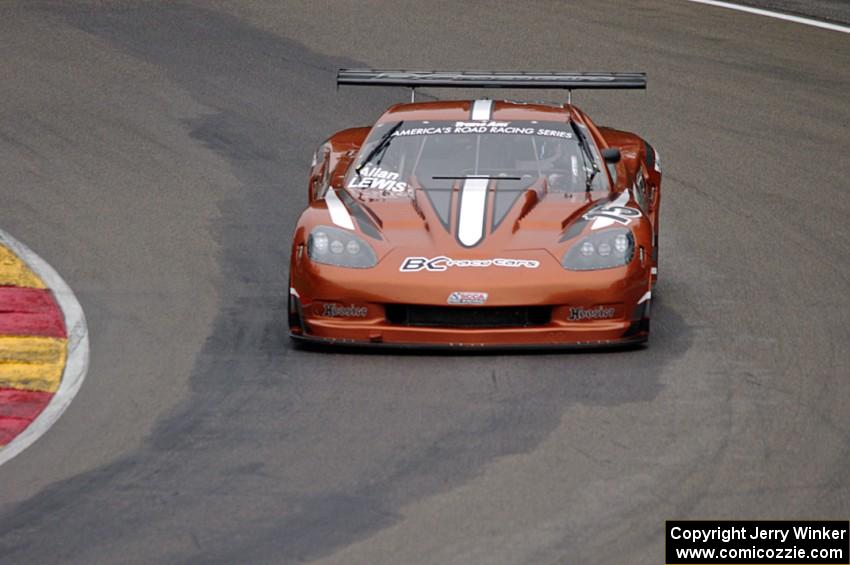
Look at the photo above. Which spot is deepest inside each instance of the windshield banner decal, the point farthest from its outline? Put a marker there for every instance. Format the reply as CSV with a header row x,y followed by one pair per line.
x,y
553,129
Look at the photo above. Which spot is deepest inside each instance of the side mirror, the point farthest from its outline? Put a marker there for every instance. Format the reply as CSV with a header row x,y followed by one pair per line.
x,y
611,155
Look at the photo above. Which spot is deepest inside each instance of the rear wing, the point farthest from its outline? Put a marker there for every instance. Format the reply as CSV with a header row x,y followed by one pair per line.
x,y
491,79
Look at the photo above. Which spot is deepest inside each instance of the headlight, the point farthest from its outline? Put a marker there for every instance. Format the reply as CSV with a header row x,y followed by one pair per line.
x,y
602,250
333,246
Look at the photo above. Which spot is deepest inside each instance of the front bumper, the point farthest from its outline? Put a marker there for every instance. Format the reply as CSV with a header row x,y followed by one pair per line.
x,y
621,343
334,306
554,334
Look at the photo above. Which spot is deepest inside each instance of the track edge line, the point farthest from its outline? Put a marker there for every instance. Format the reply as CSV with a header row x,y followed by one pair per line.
x,y
773,14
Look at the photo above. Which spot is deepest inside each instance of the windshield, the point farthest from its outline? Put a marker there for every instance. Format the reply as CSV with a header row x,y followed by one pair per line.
x,y
400,156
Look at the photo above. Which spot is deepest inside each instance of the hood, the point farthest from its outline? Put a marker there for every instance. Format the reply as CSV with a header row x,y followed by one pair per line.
x,y
469,217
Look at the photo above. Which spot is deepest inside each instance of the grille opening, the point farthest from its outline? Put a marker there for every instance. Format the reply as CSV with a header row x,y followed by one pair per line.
x,y
468,317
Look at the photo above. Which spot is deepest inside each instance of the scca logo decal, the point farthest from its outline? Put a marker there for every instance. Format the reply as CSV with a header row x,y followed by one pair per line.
x,y
467,298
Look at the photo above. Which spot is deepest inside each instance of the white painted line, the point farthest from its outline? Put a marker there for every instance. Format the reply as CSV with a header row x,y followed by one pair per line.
x,y
473,201
645,297
77,362
777,15
338,211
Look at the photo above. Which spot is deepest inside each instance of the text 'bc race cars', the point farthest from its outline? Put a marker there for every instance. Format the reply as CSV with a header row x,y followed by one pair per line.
x,y
478,223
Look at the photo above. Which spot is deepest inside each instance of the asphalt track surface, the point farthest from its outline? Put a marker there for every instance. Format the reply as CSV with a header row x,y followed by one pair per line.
x,y
156,155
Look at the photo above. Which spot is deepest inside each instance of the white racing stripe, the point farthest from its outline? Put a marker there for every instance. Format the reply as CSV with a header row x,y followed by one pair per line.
x,y
473,201
338,211
777,15
482,109
77,361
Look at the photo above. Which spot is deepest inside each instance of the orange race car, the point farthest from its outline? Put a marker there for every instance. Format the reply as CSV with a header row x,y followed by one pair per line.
x,y
476,223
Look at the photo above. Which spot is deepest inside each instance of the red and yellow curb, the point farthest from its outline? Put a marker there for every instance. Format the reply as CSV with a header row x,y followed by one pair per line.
x,y
33,345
